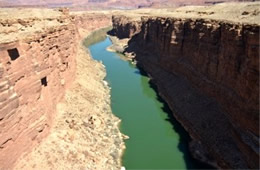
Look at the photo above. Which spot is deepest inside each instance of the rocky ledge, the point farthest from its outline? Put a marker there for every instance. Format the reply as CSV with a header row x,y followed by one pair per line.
x,y
205,64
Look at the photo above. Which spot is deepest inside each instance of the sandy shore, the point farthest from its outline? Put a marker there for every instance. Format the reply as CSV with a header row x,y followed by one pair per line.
x,y
85,134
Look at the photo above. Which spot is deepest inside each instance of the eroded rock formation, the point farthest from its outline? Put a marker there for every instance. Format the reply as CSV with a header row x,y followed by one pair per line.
x,y
207,70
38,49
35,72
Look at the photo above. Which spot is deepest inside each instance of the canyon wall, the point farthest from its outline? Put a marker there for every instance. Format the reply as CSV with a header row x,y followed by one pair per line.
x,y
38,50
207,70
124,27
91,21
35,72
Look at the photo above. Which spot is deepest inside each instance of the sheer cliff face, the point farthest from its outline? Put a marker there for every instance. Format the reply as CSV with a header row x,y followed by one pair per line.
x,y
222,56
34,75
38,51
124,28
208,72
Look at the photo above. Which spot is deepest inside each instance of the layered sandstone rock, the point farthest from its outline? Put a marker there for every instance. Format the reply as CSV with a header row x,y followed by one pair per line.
x,y
41,52
87,22
85,133
207,70
36,68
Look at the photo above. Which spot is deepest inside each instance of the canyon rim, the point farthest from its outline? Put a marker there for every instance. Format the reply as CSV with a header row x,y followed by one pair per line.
x,y
55,103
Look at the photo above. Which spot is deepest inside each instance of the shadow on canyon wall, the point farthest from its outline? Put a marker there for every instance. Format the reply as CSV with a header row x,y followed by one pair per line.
x,y
183,146
217,111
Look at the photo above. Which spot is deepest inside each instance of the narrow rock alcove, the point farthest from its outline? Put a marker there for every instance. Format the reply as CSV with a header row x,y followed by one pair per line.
x,y
44,81
13,53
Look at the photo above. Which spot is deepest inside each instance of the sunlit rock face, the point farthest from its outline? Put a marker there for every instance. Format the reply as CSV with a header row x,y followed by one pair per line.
x,y
38,49
35,71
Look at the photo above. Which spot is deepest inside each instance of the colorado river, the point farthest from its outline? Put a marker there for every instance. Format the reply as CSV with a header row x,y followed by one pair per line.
x,y
156,141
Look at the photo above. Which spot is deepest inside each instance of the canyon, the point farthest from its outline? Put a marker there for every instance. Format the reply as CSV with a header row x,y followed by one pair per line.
x,y
205,65
55,108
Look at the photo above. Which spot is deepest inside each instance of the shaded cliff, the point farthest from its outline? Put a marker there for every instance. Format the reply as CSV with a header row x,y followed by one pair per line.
x,y
207,70
125,27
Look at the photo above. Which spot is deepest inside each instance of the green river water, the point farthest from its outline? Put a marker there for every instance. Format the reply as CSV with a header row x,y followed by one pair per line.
x,y
156,141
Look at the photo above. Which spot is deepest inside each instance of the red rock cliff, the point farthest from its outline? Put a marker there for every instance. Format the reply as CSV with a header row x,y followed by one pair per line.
x,y
36,69
207,70
38,63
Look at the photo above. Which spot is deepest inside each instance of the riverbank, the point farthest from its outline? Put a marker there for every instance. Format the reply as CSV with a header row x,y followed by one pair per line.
x,y
118,45
85,134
